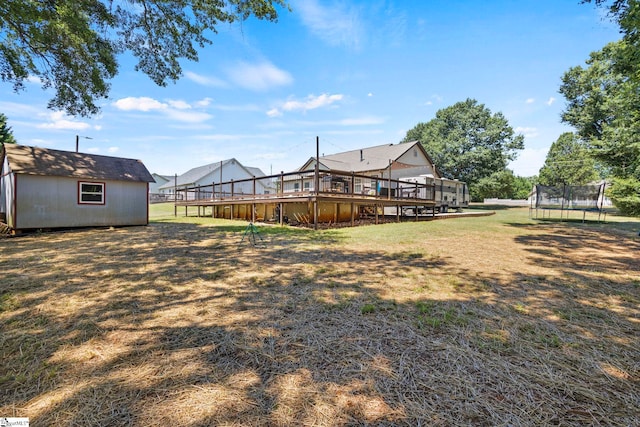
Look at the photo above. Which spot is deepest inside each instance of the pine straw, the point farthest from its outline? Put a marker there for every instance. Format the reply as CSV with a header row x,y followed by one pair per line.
x,y
179,324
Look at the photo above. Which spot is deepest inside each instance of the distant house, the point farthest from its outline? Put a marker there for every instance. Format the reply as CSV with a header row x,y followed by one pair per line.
x,y
213,174
154,187
394,161
45,188
155,193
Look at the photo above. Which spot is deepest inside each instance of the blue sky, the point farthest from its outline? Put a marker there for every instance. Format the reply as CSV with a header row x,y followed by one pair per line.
x,y
353,73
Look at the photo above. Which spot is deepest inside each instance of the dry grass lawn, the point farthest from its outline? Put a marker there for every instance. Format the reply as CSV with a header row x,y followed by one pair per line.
x,y
498,320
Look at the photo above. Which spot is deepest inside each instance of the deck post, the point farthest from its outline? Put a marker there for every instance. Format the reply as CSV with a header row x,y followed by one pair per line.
x,y
175,195
253,206
353,183
375,207
316,184
389,182
353,212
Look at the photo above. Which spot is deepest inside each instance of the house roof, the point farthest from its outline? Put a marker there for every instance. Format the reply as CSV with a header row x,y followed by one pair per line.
x,y
192,176
157,176
257,172
365,159
48,162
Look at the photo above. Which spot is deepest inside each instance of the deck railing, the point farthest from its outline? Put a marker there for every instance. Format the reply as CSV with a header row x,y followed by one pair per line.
x,y
302,184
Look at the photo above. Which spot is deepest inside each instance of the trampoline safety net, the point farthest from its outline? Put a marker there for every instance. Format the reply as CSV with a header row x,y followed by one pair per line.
x,y
582,197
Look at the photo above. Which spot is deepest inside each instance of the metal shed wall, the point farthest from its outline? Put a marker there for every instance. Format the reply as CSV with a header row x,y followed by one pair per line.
x,y
6,192
52,202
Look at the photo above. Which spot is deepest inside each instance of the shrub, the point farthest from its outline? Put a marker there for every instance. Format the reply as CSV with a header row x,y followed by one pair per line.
x,y
625,195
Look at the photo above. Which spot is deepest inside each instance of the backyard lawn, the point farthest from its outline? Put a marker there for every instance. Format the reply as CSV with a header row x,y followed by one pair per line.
x,y
494,320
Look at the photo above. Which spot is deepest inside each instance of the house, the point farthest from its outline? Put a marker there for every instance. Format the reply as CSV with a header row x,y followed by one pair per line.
x,y
212,175
393,161
155,193
385,181
46,188
154,187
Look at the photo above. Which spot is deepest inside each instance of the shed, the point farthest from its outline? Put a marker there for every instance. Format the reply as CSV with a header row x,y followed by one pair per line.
x,y
46,188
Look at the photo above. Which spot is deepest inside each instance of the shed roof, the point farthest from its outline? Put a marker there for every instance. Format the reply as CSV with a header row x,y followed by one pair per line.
x,y
48,162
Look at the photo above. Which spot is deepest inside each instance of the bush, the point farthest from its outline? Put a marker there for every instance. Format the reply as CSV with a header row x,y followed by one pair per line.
x,y
625,195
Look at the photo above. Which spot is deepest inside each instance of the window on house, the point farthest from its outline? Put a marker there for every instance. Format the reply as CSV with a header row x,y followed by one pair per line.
x,y
91,193
357,185
307,185
296,186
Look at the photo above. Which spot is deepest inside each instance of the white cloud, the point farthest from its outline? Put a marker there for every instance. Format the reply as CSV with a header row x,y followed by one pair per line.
x,y
139,104
59,120
528,132
112,150
188,116
174,109
310,103
179,104
240,107
530,101
205,80
34,79
274,112
204,102
334,24
258,77
551,101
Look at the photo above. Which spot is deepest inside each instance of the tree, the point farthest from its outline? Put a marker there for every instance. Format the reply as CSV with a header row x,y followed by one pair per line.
x,y
604,107
72,45
6,136
568,162
604,104
467,142
504,185
625,195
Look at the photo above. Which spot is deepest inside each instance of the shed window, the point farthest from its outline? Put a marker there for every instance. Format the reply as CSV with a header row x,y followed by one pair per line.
x,y
91,193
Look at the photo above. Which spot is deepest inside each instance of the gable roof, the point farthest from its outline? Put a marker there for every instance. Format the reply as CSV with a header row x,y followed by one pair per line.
x,y
48,162
257,172
192,176
164,178
366,159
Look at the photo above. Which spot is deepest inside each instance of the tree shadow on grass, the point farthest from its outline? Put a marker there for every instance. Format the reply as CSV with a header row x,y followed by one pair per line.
x,y
180,324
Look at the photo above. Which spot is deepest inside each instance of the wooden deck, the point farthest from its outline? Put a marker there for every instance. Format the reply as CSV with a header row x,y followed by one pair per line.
x,y
329,205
